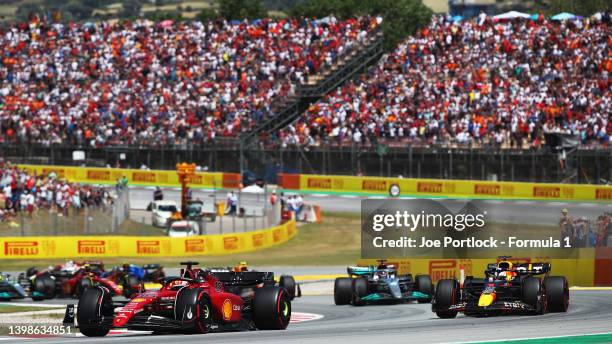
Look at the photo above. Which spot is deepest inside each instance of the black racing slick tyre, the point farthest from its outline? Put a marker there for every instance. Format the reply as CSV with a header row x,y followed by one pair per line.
x,y
446,296
360,290
94,305
194,310
530,290
271,308
343,291
423,285
557,293
288,282
44,285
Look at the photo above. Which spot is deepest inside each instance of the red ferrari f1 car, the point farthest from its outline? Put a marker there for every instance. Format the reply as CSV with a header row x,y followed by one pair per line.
x,y
197,301
72,279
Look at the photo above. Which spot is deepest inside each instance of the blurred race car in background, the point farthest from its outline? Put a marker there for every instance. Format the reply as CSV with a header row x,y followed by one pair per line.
x,y
197,301
11,288
284,281
507,288
72,279
381,284
132,277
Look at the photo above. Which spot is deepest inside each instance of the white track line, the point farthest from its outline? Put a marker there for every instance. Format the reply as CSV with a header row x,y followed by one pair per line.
x,y
533,338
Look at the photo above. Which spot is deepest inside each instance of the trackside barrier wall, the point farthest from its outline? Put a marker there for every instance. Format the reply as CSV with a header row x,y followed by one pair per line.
x,y
101,175
579,271
443,188
144,246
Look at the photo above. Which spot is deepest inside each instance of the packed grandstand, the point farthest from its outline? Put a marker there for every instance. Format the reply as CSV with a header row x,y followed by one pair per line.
x,y
480,81
145,83
474,81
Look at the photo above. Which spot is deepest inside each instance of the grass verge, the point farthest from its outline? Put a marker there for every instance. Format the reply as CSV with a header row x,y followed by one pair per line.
x,y
334,241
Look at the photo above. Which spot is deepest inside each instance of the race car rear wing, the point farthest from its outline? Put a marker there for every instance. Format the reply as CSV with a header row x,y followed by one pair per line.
x,y
524,268
245,278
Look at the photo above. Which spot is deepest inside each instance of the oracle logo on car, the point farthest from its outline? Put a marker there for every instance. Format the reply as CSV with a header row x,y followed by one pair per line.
x,y
21,248
91,246
148,246
194,245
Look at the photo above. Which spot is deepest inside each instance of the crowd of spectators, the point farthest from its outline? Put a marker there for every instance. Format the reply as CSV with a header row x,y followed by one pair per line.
x,y
584,232
148,83
477,82
23,191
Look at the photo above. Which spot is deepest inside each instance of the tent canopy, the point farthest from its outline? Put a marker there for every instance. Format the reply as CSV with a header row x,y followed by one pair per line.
x,y
512,15
563,16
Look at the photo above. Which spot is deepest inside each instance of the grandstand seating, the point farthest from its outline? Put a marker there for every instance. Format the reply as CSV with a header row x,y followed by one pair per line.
x,y
139,83
477,82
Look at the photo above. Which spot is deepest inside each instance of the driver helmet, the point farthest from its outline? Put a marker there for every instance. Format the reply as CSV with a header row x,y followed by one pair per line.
x,y
241,267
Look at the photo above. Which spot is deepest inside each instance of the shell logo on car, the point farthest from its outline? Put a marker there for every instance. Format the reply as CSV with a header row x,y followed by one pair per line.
x,y
227,309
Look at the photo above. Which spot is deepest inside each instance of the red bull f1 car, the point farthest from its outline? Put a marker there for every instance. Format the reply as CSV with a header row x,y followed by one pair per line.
x,y
197,301
507,288
380,284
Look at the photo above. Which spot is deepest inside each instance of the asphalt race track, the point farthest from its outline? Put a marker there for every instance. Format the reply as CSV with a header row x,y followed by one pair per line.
x,y
590,312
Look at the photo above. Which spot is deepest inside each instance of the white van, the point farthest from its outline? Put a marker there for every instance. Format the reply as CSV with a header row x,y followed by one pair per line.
x,y
161,211
181,229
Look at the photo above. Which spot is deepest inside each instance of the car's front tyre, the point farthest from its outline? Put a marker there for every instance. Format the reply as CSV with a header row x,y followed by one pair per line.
x,y
94,304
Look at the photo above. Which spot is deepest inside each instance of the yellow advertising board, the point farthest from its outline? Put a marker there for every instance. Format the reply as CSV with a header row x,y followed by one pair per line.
x,y
138,246
445,188
101,175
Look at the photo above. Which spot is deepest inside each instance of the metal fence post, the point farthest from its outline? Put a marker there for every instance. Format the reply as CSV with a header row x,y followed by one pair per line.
x,y
87,220
234,223
22,223
221,224
244,227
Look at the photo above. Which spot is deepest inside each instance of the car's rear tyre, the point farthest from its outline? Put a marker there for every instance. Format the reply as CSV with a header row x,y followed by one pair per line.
x,y
423,285
194,310
360,290
44,285
343,291
557,293
271,308
530,291
446,294
82,285
131,285
288,282
94,304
